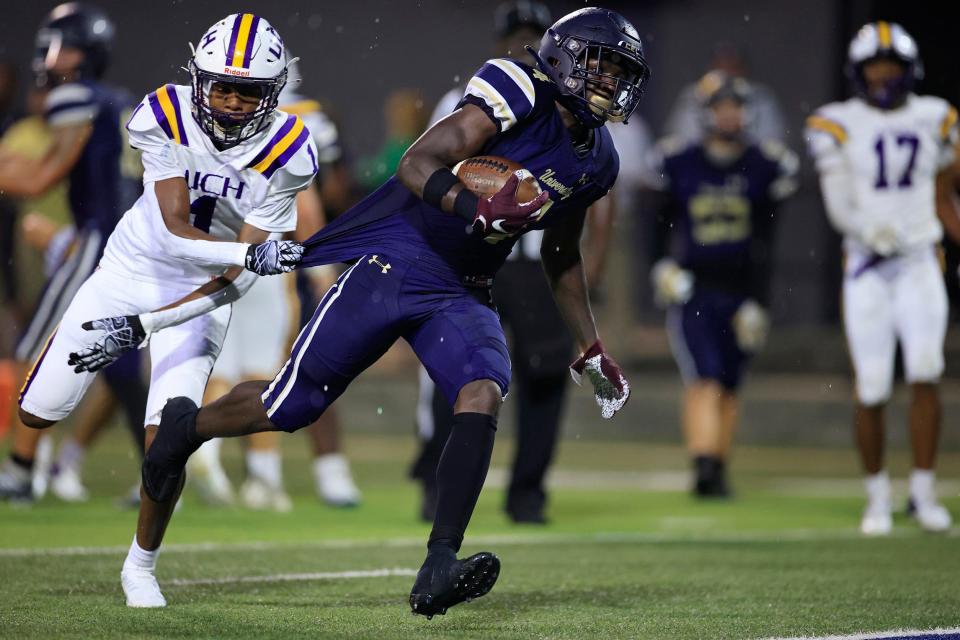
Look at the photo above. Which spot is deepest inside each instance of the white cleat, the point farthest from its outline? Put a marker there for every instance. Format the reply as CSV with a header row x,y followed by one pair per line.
x,y
877,520
930,515
335,485
66,484
141,588
258,495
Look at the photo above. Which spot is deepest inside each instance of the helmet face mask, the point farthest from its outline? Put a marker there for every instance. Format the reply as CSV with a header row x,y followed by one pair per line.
x,y
230,128
240,61
596,59
884,41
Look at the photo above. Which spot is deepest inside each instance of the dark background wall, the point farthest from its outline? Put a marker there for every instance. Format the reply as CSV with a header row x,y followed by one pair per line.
x,y
354,53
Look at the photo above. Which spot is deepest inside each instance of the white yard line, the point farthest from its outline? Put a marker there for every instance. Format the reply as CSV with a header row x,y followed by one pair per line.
x,y
734,537
293,577
941,634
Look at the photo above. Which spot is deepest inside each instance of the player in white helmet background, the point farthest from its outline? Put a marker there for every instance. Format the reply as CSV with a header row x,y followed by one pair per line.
x,y
222,169
884,157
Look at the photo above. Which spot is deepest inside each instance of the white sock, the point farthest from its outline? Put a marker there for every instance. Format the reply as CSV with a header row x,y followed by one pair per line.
x,y
921,485
141,558
266,465
71,455
878,487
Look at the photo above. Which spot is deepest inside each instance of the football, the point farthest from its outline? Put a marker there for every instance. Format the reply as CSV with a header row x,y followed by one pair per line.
x,y
486,175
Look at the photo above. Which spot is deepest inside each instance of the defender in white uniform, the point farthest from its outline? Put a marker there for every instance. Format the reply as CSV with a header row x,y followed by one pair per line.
x,y
883,158
222,168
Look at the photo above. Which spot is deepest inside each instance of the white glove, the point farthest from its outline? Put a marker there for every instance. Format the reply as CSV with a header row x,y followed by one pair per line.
x,y
883,240
751,325
671,284
274,256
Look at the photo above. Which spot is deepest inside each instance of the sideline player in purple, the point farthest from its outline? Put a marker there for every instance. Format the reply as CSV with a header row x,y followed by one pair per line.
x,y
718,201
424,250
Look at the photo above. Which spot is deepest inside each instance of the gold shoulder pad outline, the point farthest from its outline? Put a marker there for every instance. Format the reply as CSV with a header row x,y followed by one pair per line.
x,y
831,127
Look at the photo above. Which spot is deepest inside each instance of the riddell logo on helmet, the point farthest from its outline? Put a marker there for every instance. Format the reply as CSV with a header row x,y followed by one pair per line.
x,y
235,72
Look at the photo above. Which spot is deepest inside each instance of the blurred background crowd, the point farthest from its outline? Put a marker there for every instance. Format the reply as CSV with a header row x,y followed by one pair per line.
x,y
379,70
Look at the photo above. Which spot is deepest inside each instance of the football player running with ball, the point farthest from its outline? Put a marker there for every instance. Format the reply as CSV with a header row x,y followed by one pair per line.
x,y
424,250
883,157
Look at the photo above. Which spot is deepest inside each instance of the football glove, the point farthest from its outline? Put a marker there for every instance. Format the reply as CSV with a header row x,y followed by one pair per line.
x,y
610,386
502,214
671,284
120,334
274,256
751,325
883,240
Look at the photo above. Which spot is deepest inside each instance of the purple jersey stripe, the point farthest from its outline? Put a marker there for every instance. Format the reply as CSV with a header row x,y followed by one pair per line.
x,y
175,100
248,52
284,130
507,87
284,157
36,366
159,115
234,34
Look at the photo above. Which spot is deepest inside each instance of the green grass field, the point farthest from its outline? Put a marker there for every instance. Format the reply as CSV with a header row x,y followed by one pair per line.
x,y
627,555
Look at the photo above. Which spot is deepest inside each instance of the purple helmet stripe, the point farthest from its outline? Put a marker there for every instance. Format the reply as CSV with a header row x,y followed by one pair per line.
x,y
284,157
234,34
159,114
248,52
284,130
172,95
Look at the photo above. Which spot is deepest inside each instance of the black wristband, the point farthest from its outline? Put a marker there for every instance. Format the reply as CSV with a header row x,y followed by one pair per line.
x,y
465,205
438,185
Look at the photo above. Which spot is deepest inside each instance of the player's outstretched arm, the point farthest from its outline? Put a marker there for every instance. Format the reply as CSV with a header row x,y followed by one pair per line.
x,y
562,261
22,177
187,242
125,333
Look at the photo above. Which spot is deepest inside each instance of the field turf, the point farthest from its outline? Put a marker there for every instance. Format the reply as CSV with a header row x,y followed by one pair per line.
x,y
628,554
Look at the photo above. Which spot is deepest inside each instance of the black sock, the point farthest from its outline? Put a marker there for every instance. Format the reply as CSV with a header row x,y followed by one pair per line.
x,y
460,475
23,463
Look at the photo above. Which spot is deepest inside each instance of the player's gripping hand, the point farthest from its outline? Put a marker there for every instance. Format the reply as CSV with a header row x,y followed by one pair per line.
x,y
671,284
751,325
274,256
610,386
882,240
501,213
120,334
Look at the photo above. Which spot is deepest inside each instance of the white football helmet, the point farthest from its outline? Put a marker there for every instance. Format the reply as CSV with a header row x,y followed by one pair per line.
x,y
245,51
884,40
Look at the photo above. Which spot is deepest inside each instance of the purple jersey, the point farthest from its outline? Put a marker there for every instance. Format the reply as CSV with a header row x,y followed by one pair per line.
x,y
520,100
722,214
99,191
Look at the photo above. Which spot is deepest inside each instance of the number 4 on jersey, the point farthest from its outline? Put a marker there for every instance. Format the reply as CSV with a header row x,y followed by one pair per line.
x,y
906,178
202,210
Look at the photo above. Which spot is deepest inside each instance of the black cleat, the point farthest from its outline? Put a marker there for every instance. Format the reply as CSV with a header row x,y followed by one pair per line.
x,y
176,440
443,581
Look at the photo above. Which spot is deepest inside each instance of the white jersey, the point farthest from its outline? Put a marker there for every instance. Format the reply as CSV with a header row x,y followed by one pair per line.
x,y
890,160
254,182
